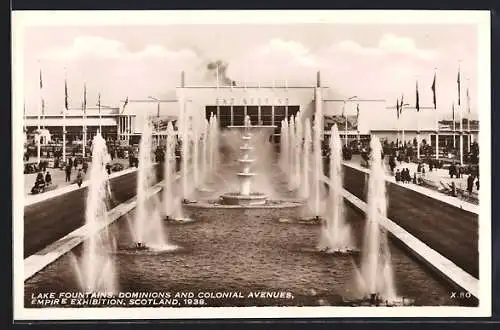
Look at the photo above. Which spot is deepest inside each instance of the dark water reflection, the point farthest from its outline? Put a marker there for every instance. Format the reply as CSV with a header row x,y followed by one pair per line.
x,y
235,250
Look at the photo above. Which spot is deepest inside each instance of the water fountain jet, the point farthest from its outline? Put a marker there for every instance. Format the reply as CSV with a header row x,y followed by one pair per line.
x,y
96,270
336,234
147,231
375,278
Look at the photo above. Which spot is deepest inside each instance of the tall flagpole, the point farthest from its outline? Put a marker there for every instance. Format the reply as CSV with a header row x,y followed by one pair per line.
x,y
434,84
460,106
454,125
217,101
417,105
401,108
468,117
99,109
345,126
357,122
398,126
84,108
24,121
64,114
42,105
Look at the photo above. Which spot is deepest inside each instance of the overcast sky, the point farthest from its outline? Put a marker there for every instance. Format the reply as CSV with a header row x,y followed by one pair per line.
x,y
367,60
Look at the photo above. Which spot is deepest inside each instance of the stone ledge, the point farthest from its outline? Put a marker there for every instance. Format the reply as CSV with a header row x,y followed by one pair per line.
x,y
435,260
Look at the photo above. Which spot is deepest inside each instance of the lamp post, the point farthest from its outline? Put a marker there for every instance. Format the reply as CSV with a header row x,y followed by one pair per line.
x,y
345,117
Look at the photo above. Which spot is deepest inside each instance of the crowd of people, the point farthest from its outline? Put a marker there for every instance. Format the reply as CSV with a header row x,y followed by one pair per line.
x,y
42,182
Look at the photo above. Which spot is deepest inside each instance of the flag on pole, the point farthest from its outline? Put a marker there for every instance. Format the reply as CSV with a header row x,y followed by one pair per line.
x,y
343,110
125,103
453,112
41,95
66,103
397,108
99,101
433,88
417,101
458,85
84,98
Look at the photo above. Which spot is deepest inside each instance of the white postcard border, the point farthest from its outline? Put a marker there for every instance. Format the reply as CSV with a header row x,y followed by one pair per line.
x,y
23,19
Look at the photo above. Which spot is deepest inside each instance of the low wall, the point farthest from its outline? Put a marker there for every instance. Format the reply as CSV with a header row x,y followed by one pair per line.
x,y
447,229
50,220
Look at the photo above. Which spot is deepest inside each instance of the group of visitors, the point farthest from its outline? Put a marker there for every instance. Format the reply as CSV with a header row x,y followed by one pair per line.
x,y
470,183
404,176
455,171
72,163
41,182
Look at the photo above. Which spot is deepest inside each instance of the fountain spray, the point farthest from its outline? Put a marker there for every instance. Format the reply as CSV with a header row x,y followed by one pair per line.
x,y
291,154
336,234
96,271
306,162
148,229
169,172
376,269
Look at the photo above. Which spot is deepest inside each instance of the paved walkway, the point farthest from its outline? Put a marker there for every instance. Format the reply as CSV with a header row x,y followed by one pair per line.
x,y
439,175
59,178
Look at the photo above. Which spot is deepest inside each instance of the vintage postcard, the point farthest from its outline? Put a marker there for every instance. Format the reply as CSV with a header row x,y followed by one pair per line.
x,y
251,164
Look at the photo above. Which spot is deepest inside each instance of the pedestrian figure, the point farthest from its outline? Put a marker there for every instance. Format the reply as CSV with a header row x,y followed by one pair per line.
x,y
68,173
415,178
75,163
453,189
48,178
79,178
392,163
450,171
85,166
398,176
470,183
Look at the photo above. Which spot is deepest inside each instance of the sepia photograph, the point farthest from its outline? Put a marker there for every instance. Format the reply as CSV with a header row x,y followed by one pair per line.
x,y
272,164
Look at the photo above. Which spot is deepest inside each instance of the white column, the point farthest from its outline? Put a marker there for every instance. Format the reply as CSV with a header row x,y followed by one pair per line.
x,y
418,137
436,119
84,142
38,147
437,144
468,130
461,137
64,135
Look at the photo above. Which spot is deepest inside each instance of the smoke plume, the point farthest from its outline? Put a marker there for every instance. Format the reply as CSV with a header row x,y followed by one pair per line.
x,y
221,67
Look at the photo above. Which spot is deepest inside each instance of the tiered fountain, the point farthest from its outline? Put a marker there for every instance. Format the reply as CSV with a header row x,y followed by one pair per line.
x,y
245,196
